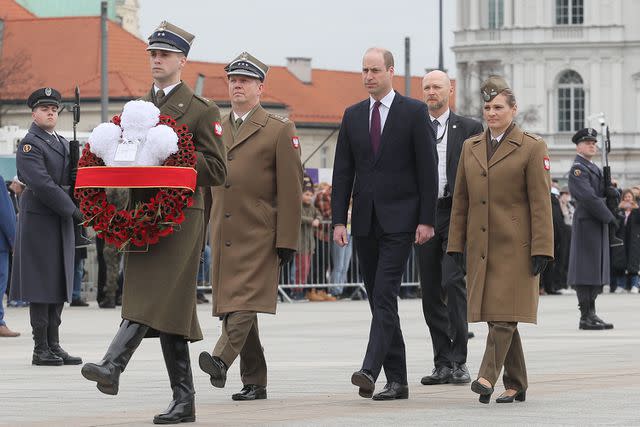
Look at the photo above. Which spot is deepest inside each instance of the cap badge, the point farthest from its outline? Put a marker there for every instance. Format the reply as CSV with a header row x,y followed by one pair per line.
x,y
47,91
486,96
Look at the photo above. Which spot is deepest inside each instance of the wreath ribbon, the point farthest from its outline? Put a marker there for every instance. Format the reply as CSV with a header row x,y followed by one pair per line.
x,y
136,177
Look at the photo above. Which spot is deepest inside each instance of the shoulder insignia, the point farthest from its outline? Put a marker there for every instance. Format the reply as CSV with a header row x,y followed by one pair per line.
x,y
295,141
278,117
546,163
577,172
217,128
202,98
533,135
26,148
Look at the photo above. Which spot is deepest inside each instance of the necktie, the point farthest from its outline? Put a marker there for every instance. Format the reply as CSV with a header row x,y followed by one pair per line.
x,y
435,124
238,122
159,96
494,144
376,128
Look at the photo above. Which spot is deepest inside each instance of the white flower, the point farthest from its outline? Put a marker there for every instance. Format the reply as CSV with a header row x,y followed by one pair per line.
x,y
137,118
104,140
161,142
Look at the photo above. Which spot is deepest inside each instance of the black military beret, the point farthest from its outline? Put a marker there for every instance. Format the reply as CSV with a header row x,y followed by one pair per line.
x,y
44,96
586,134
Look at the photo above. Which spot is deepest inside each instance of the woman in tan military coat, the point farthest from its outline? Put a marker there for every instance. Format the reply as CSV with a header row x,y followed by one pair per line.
x,y
502,215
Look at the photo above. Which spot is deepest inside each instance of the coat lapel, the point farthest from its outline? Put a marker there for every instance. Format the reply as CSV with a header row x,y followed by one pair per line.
x,y
362,125
49,139
479,150
255,121
512,141
453,138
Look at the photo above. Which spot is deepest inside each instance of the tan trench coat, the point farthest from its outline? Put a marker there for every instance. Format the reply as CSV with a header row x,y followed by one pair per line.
x,y
160,284
255,212
502,215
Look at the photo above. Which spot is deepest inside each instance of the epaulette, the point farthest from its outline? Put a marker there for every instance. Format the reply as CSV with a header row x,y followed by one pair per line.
x,y
533,135
279,117
203,99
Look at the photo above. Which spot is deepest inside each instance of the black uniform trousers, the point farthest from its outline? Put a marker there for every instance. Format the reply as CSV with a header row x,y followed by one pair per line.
x,y
444,294
383,258
45,315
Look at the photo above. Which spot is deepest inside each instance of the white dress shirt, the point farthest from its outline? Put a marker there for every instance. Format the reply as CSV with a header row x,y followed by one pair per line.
x,y
166,89
244,117
383,108
441,147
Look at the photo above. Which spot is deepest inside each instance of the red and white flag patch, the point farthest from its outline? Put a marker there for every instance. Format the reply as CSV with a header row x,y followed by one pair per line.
x,y
295,141
547,163
217,128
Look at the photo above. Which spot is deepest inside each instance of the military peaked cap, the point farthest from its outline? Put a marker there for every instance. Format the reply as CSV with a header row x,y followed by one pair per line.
x,y
586,134
492,87
170,38
247,65
44,96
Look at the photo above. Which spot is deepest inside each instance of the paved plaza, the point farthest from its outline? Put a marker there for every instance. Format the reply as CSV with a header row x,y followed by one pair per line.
x,y
575,377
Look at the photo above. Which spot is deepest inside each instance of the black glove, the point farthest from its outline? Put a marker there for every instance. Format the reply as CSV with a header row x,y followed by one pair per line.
x,y
616,223
285,255
458,258
612,198
77,216
538,264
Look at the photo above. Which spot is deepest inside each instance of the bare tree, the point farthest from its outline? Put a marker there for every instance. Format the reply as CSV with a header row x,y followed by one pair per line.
x,y
14,75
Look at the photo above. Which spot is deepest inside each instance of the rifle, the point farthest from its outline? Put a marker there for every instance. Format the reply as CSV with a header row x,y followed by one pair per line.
x,y
610,193
74,156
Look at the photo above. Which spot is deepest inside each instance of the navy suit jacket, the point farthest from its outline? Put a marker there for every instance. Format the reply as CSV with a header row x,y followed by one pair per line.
x,y
400,183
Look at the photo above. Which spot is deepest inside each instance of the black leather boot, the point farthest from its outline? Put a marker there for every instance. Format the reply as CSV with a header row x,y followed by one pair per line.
x,y
594,317
107,372
586,322
54,346
182,408
42,355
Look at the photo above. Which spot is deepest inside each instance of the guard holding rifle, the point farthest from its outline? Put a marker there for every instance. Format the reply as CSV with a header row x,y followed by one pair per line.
x,y
593,221
43,258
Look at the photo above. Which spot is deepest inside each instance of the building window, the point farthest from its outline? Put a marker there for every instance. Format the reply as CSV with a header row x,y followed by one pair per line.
x,y
569,12
570,102
496,13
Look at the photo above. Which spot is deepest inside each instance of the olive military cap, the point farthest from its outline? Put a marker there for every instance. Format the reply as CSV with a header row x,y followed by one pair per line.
x,y
247,65
170,38
492,87
44,96
586,134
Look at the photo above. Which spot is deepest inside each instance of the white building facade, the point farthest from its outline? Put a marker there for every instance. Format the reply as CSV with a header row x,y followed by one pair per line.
x,y
567,61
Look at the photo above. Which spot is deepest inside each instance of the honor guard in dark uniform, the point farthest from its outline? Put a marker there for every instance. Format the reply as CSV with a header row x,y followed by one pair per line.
x,y
255,221
589,255
42,271
159,293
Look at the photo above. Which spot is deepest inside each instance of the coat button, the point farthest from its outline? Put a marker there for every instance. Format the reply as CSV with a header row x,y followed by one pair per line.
x,y
484,173
227,215
483,229
484,202
482,256
228,243
227,185
230,157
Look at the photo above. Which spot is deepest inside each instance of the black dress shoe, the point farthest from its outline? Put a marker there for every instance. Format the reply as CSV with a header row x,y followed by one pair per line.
x,y
365,381
519,396
251,392
79,303
460,374
440,375
484,391
393,391
597,319
215,367
588,324
470,335
107,302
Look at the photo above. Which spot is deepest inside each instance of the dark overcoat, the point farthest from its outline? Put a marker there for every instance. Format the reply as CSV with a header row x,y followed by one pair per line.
x,y
502,214
257,211
589,262
160,284
42,269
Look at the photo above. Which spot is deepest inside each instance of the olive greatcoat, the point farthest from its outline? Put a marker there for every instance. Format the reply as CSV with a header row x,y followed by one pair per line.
x,y
257,211
42,270
160,284
502,214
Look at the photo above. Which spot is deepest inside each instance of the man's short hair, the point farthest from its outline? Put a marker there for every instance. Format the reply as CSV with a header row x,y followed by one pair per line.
x,y
387,56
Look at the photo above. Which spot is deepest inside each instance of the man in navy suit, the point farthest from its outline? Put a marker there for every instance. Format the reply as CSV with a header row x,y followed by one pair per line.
x,y
444,293
385,158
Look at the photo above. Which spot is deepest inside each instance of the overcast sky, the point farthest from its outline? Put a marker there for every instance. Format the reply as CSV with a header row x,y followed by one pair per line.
x,y
334,33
